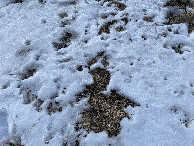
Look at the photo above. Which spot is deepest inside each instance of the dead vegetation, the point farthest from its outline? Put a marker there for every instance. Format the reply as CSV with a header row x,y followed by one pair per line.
x,y
105,111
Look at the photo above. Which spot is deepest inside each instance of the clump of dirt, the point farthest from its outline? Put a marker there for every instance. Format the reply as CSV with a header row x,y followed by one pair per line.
x,y
105,111
106,27
184,17
64,41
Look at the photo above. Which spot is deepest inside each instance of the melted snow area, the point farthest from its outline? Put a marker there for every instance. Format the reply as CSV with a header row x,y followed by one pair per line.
x,y
51,91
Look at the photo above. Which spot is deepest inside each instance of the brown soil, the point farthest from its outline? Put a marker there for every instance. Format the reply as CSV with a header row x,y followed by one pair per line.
x,y
148,19
119,5
184,17
105,111
64,41
106,27
180,3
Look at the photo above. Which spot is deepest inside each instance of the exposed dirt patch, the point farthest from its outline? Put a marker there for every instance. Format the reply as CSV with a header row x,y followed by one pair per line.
x,y
64,41
117,4
148,19
28,73
13,141
184,119
106,27
105,111
37,104
64,60
42,1
95,59
180,3
27,95
125,20
53,107
120,28
177,49
80,68
23,52
18,1
184,17
63,15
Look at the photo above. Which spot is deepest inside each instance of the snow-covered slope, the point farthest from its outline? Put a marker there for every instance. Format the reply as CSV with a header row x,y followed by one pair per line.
x,y
46,47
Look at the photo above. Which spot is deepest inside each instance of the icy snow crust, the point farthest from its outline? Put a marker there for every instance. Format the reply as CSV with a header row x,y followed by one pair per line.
x,y
141,68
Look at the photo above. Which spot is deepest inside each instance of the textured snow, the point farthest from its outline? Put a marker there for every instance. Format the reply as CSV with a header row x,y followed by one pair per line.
x,y
161,80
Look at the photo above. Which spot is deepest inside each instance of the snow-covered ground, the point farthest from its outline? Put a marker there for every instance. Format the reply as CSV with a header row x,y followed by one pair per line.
x,y
45,47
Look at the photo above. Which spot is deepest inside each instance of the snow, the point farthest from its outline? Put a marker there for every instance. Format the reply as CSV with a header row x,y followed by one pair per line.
x,y
161,80
3,124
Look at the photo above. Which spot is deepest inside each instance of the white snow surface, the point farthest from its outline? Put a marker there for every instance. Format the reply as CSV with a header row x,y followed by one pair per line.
x,y
161,80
